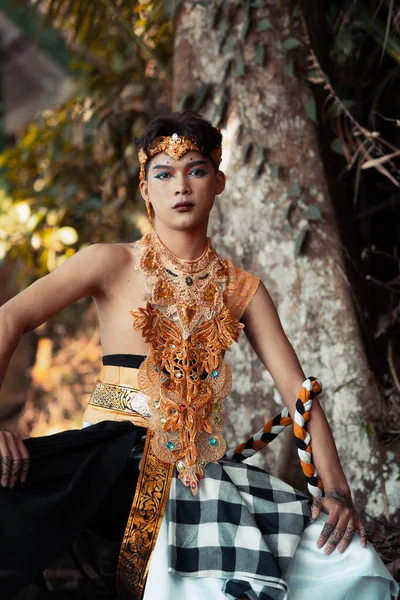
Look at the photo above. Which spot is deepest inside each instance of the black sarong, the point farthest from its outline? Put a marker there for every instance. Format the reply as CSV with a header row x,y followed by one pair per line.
x,y
78,479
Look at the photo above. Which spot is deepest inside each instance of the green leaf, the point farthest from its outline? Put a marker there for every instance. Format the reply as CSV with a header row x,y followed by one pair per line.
x,y
290,43
260,55
289,69
200,96
246,24
313,213
260,158
274,170
247,152
239,70
335,109
227,48
225,68
311,109
218,113
294,190
182,101
314,76
337,147
300,242
286,216
263,25
344,42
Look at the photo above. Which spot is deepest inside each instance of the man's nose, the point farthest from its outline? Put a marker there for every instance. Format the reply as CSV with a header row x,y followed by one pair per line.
x,y
182,185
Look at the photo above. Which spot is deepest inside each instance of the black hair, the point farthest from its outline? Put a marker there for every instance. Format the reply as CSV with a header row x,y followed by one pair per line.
x,y
187,123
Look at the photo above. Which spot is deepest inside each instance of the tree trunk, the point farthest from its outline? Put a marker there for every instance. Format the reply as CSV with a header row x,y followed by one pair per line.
x,y
267,106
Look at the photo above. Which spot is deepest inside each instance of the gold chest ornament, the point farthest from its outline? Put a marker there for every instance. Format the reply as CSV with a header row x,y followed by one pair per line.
x,y
188,328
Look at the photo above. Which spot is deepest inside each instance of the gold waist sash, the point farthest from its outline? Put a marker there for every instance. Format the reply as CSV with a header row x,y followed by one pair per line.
x,y
116,397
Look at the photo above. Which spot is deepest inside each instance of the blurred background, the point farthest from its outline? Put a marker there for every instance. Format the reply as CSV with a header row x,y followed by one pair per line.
x,y
307,96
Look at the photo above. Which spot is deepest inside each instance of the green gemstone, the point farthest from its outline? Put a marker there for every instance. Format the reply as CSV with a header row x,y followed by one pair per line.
x,y
217,406
217,420
164,379
214,373
156,368
170,445
212,441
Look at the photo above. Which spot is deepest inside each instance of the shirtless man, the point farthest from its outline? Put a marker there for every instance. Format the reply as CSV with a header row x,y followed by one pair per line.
x,y
179,195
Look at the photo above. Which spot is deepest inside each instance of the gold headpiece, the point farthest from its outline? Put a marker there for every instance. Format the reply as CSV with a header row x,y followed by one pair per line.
x,y
175,146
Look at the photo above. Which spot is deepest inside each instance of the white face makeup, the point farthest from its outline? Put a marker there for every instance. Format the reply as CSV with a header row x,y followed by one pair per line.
x,y
182,192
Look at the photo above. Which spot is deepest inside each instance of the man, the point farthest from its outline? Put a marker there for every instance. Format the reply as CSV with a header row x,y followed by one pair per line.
x,y
192,521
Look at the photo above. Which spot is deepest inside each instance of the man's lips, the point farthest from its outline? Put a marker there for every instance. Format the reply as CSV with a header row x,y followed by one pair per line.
x,y
186,204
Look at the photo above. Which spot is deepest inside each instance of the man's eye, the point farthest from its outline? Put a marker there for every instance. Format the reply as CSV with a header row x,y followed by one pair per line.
x,y
200,172
161,176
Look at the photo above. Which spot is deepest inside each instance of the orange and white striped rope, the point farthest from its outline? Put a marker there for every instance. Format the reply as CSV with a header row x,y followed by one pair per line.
x,y
310,388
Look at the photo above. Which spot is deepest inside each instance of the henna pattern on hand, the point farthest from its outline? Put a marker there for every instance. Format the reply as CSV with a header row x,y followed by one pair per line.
x,y
336,537
15,469
341,496
326,532
5,467
24,468
348,536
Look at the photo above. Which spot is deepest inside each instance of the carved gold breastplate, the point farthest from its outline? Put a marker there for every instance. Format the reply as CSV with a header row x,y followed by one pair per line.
x,y
188,328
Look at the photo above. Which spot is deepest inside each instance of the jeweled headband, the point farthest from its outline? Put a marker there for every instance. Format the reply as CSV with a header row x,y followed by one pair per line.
x,y
175,146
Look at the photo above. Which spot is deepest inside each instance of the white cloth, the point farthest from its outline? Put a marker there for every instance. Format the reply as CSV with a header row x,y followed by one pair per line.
x,y
356,574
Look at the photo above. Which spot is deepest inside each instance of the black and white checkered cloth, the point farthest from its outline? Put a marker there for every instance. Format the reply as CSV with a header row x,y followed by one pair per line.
x,y
243,527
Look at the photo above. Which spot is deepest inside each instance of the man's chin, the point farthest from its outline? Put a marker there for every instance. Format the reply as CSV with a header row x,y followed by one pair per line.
x,y
188,223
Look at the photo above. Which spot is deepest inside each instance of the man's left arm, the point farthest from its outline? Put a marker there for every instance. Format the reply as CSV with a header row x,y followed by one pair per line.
x,y
268,339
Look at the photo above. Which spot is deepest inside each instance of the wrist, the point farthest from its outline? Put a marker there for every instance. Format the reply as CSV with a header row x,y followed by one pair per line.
x,y
342,495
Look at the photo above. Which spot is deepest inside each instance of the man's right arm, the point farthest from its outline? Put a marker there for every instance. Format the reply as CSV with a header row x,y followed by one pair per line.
x,y
85,274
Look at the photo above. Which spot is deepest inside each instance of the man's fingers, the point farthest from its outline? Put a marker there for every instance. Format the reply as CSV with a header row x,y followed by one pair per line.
x,y
363,535
24,469
6,463
325,534
14,459
5,459
347,537
315,509
24,461
334,539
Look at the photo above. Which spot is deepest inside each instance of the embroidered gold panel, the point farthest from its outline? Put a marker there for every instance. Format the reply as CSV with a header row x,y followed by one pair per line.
x,y
143,524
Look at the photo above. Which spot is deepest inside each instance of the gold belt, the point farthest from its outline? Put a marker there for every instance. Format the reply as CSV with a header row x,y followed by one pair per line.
x,y
114,398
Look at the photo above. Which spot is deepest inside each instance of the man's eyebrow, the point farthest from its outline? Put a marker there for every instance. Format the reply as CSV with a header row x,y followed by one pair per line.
x,y
192,163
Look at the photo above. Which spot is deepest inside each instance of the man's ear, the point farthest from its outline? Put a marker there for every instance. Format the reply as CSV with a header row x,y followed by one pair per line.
x,y
144,189
221,180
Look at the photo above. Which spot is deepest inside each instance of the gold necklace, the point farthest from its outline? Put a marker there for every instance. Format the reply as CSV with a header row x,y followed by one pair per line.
x,y
189,292
188,328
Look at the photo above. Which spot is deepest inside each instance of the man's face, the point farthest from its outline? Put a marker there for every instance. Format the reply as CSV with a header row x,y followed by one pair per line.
x,y
182,191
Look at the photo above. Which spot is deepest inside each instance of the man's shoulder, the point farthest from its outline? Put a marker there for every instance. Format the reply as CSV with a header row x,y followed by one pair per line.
x,y
108,254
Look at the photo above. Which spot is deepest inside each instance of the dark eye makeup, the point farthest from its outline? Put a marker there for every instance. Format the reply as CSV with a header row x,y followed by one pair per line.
x,y
200,173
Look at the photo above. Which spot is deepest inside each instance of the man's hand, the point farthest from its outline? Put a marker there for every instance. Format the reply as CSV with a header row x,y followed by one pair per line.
x,y
14,459
343,520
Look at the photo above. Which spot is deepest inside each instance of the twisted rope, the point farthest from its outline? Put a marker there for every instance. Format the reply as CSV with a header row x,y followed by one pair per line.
x,y
310,388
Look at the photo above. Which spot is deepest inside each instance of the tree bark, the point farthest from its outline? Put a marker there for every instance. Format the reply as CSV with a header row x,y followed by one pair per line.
x,y
266,107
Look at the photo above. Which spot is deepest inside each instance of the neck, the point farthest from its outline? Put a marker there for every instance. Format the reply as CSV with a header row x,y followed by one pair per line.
x,y
186,245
